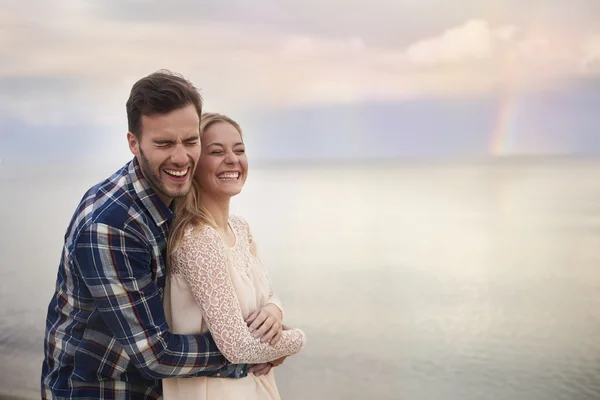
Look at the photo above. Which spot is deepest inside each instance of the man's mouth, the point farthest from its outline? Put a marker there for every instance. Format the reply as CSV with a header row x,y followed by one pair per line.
x,y
229,176
177,174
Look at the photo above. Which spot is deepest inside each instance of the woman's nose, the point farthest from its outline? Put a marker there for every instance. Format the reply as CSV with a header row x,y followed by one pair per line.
x,y
231,158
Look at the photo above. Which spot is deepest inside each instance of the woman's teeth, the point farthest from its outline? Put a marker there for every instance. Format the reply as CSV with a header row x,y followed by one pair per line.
x,y
229,175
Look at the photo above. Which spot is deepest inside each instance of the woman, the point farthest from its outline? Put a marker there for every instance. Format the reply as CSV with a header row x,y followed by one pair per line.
x,y
216,281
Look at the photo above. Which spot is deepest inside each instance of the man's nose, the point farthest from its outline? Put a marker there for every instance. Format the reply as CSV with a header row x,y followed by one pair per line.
x,y
179,155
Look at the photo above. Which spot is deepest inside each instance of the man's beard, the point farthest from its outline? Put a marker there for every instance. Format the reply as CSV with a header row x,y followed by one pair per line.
x,y
153,177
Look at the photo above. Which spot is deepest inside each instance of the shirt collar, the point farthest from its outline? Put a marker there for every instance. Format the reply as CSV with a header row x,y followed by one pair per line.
x,y
159,211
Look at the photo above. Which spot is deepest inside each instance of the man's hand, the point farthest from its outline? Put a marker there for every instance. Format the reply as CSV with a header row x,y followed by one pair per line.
x,y
266,323
260,369
278,362
265,368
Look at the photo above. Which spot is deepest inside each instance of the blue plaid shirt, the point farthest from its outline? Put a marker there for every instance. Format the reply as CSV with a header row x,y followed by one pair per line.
x,y
106,332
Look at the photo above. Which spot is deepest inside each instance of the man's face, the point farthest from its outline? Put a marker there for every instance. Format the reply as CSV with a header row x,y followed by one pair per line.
x,y
168,150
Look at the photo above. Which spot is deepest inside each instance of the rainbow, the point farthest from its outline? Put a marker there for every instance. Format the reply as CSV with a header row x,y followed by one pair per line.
x,y
502,139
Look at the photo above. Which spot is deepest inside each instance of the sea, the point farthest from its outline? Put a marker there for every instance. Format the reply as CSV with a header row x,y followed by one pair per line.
x,y
441,280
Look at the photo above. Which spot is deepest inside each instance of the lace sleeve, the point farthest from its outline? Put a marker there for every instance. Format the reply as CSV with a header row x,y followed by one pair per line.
x,y
203,263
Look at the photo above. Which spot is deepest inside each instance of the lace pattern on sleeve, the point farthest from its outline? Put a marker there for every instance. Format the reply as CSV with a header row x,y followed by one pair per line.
x,y
202,261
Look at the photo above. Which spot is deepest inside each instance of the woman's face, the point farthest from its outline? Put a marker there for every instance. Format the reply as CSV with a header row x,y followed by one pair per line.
x,y
223,166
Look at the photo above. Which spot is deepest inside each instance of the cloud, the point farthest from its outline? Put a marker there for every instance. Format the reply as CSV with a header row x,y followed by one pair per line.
x,y
305,46
474,40
96,50
527,56
72,63
392,23
477,42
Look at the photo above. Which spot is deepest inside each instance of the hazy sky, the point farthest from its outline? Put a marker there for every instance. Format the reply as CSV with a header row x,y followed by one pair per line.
x,y
308,78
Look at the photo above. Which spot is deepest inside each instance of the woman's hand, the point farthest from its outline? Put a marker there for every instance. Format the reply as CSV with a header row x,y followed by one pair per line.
x,y
266,323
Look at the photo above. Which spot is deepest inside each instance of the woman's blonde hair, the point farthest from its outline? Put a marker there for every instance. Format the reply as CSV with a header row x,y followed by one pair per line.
x,y
189,211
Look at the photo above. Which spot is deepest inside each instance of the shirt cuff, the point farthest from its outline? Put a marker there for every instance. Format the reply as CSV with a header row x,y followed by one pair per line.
x,y
233,371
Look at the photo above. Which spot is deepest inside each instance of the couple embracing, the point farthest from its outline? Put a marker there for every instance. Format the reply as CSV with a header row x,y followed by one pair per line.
x,y
160,291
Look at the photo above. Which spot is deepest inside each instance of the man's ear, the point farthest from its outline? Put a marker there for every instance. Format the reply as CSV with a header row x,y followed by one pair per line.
x,y
134,144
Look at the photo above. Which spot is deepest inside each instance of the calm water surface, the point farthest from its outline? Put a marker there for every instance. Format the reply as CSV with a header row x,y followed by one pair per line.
x,y
473,281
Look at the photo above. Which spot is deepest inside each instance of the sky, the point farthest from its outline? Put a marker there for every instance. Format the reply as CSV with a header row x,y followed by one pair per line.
x,y
308,79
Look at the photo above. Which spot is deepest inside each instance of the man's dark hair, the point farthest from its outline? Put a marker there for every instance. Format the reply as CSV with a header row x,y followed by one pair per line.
x,y
160,93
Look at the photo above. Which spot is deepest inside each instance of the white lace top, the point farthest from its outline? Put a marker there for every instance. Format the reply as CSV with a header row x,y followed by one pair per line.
x,y
226,285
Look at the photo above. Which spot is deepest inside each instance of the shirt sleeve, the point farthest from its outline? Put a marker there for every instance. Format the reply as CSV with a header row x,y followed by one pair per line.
x,y
115,266
202,260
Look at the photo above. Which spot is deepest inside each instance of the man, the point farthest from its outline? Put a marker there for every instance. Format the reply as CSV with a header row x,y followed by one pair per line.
x,y
106,333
